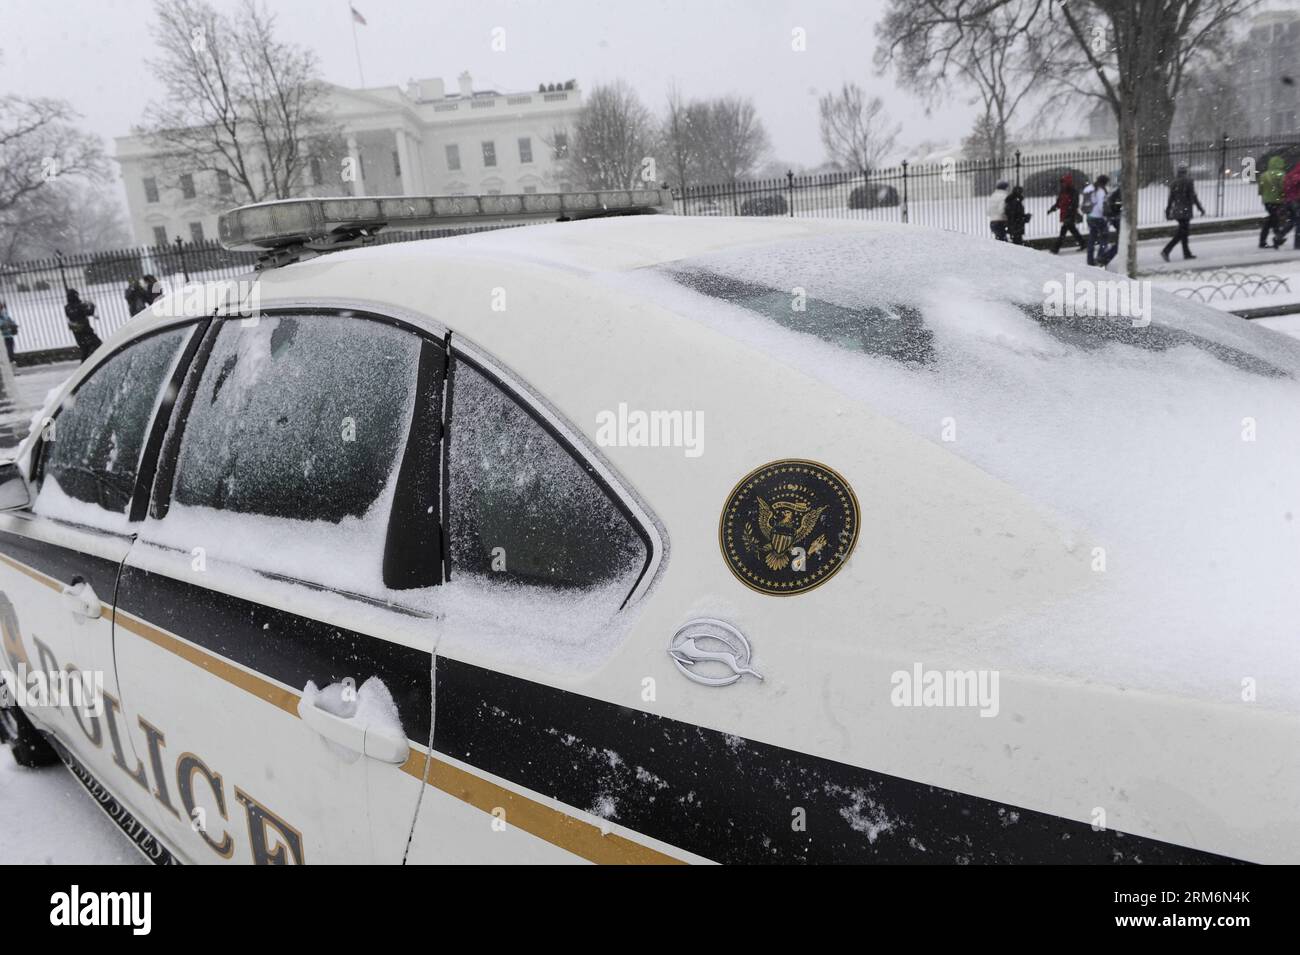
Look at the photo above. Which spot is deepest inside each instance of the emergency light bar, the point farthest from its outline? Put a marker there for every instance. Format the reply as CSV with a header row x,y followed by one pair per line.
x,y
289,225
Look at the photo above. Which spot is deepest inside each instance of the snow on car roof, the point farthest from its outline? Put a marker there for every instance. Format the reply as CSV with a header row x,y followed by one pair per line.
x,y
1175,446
1172,449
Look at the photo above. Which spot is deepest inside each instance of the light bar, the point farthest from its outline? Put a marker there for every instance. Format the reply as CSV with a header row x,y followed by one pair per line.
x,y
321,224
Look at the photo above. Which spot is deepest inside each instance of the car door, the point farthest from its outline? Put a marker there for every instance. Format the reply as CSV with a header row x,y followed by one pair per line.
x,y
548,559
59,557
281,697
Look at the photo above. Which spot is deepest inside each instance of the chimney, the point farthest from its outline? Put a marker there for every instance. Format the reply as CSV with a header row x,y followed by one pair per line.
x,y
466,84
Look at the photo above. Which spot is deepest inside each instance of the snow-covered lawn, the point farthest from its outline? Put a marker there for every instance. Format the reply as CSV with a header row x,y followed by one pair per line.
x,y
46,818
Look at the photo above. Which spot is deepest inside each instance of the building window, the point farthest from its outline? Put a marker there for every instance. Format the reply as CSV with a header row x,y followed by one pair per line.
x,y
561,144
489,153
453,156
525,149
397,165
317,173
151,189
187,186
529,190
223,182
159,235
196,232
494,192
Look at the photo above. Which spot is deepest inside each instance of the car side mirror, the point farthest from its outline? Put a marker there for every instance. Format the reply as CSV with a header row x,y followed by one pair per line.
x,y
14,493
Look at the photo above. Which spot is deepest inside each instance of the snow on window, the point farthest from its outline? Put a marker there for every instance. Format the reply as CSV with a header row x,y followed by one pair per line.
x,y
523,510
562,631
894,331
300,418
92,453
289,456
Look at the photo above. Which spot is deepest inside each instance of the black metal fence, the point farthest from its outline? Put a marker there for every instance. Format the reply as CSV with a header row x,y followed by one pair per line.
x,y
35,291
953,193
944,193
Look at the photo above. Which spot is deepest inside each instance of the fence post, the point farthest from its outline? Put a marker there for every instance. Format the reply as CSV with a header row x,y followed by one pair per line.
x,y
789,179
904,207
180,247
1218,175
1017,167
59,255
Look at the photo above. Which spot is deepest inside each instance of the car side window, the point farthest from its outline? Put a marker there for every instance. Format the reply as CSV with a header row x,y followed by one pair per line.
x,y
523,510
91,449
290,447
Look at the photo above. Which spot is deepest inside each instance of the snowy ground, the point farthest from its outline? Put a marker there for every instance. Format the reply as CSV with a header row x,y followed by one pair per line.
x,y
46,818
33,385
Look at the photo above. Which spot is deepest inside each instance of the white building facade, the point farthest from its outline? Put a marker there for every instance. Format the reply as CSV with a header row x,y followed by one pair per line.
x,y
417,140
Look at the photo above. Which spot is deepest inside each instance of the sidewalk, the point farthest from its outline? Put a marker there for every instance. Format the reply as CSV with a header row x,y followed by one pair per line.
x,y
1238,251
33,385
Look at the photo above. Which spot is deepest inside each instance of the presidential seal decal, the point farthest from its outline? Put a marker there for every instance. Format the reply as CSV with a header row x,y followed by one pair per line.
x,y
788,526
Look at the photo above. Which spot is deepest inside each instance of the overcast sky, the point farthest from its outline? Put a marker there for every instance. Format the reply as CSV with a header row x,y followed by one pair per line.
x,y
92,53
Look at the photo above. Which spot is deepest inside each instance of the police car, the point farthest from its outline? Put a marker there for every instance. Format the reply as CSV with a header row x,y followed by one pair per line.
x,y
654,539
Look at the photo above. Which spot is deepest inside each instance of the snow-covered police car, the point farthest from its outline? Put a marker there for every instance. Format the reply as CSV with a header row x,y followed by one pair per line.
x,y
661,539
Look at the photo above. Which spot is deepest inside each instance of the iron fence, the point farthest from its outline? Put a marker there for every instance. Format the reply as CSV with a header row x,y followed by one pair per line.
x,y
35,291
953,193
945,194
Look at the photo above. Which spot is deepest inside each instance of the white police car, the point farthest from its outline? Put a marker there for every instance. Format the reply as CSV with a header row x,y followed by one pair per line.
x,y
661,539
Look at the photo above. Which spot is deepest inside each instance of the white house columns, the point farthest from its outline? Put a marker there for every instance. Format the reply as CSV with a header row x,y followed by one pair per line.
x,y
354,157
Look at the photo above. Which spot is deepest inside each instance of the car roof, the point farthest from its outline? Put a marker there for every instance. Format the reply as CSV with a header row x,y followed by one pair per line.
x,y
1071,440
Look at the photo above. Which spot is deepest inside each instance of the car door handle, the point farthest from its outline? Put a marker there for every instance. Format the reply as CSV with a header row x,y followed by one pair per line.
x,y
376,742
80,599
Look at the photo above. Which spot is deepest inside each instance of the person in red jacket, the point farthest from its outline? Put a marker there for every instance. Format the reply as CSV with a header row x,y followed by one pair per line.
x,y
1067,201
1291,200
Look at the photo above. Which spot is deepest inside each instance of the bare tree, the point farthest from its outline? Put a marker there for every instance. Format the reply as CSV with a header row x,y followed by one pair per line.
x,y
238,103
993,47
39,149
732,140
681,135
1138,52
856,130
611,139
72,216
1132,54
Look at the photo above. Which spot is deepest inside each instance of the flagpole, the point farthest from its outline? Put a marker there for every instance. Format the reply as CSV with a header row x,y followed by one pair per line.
x,y
355,45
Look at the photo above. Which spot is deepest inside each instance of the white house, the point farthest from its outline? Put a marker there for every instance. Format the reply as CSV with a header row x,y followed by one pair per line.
x,y
420,140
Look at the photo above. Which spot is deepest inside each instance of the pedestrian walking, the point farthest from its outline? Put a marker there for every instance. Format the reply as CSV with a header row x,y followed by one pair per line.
x,y
997,210
136,298
1182,199
1291,197
152,289
9,329
1272,183
1067,204
1094,210
1112,211
79,314
1016,216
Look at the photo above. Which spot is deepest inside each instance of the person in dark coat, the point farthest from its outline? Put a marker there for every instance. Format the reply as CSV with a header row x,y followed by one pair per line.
x,y
1016,215
1113,210
136,298
9,329
1067,203
1182,198
79,314
152,289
